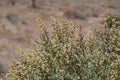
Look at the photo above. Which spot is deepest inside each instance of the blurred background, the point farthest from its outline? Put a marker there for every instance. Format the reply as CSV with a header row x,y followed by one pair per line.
x,y
19,20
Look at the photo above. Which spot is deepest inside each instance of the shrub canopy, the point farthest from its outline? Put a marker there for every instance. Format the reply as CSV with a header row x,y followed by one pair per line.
x,y
65,54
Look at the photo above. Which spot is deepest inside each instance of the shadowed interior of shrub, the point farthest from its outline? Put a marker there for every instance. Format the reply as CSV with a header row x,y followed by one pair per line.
x,y
65,54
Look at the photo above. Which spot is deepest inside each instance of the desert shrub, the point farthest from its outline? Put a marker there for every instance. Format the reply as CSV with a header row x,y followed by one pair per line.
x,y
2,71
65,54
112,21
74,14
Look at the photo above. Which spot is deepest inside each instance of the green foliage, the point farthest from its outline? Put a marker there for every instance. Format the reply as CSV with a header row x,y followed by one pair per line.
x,y
112,21
65,54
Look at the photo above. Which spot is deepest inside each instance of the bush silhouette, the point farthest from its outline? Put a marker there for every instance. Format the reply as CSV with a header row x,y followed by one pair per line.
x,y
65,54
